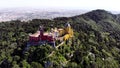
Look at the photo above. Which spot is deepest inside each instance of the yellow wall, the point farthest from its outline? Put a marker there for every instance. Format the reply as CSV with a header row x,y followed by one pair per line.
x,y
67,32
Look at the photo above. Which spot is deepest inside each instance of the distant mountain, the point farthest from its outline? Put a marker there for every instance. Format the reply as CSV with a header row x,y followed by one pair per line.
x,y
100,20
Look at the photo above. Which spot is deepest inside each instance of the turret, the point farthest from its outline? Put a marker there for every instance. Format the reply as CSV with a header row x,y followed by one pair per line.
x,y
67,24
41,30
68,31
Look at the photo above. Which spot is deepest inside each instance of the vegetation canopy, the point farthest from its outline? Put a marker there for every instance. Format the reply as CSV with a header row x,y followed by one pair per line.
x,y
96,43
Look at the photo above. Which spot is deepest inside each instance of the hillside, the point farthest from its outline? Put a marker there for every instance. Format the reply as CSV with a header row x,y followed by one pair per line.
x,y
96,43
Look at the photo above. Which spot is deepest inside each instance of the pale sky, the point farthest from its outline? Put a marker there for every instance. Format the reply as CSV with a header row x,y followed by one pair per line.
x,y
113,5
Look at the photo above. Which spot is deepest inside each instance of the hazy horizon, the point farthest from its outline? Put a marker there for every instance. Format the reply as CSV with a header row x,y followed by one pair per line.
x,y
109,5
49,9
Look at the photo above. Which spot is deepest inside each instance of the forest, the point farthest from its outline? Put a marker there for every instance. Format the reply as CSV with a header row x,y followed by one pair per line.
x,y
96,43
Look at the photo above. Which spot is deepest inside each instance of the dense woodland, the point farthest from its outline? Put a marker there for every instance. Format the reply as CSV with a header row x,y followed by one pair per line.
x,y
96,43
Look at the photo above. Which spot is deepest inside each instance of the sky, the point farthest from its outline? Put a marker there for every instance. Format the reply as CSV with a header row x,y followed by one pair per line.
x,y
111,5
